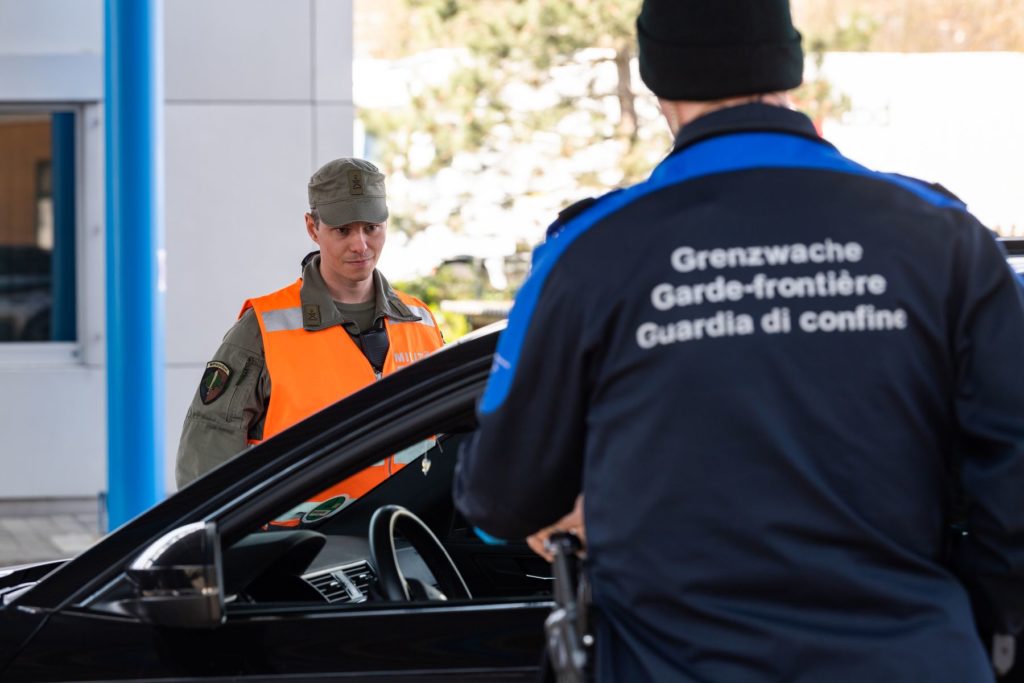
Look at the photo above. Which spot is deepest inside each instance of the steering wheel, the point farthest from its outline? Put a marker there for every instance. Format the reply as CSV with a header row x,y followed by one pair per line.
x,y
386,520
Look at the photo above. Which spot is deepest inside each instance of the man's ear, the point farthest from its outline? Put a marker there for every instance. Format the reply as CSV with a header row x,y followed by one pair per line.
x,y
311,228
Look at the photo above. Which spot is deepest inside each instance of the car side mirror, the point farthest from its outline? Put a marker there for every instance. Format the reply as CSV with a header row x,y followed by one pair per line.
x,y
177,580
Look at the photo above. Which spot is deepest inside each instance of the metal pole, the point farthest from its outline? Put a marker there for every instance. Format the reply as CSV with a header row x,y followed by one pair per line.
x,y
135,253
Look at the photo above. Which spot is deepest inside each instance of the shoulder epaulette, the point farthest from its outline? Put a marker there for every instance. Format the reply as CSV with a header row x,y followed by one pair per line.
x,y
573,210
934,187
568,213
945,192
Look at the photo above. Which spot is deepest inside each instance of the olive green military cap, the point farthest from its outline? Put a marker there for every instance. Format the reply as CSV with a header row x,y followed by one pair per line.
x,y
348,190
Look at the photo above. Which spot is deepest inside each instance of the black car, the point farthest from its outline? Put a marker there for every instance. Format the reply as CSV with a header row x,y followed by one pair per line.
x,y
225,580
240,576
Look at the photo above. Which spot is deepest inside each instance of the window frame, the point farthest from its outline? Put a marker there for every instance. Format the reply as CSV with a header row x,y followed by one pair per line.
x,y
89,245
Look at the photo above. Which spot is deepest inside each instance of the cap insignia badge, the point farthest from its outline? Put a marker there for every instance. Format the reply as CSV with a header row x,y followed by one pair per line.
x,y
355,182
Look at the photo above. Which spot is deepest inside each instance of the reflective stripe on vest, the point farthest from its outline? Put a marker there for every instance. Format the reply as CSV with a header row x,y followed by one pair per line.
x,y
424,314
291,319
284,319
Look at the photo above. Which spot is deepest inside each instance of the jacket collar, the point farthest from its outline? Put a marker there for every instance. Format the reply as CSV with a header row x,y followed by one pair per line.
x,y
320,312
755,117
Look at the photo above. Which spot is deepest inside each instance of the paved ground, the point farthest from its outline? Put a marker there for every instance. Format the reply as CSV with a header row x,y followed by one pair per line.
x,y
46,529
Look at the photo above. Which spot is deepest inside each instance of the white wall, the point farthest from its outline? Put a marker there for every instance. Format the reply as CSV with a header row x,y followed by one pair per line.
x,y
45,27
258,95
52,396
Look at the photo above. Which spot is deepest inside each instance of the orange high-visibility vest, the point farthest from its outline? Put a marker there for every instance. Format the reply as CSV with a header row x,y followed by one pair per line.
x,y
310,370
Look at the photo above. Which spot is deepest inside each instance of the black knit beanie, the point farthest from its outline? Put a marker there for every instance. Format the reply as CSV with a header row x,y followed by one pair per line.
x,y
714,49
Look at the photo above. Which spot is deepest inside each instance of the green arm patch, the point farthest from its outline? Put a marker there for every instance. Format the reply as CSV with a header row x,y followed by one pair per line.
x,y
214,381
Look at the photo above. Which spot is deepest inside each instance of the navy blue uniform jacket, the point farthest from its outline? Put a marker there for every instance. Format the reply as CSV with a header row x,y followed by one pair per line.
x,y
760,365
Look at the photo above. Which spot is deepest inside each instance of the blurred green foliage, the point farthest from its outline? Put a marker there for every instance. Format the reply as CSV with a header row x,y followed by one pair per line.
x,y
463,280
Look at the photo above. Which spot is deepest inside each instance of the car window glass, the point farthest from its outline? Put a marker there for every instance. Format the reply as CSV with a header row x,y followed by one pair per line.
x,y
337,496
318,552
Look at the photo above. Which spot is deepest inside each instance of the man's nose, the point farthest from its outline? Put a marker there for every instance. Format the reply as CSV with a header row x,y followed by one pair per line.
x,y
357,242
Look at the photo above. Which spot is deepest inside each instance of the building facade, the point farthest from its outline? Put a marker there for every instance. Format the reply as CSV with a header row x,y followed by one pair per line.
x,y
258,94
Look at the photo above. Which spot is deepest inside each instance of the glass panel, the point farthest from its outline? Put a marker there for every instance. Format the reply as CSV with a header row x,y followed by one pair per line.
x,y
343,493
37,226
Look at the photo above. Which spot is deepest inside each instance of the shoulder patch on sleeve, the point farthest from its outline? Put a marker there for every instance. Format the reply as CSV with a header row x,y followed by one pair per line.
x,y
214,381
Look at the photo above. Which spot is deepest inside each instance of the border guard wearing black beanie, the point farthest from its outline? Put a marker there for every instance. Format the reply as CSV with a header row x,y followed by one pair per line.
x,y
764,369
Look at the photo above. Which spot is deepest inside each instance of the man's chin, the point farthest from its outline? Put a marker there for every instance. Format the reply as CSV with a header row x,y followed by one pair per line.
x,y
358,274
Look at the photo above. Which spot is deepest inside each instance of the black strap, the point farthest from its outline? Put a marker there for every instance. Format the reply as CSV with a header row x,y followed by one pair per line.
x,y
375,344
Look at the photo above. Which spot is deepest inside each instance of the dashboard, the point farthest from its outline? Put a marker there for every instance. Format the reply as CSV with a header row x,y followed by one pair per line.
x,y
278,566
327,558
354,581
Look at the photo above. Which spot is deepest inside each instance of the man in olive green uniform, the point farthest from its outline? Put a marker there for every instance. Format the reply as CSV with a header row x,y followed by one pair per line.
x,y
341,288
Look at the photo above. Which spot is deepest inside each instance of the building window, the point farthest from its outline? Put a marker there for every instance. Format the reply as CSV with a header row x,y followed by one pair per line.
x,y
37,226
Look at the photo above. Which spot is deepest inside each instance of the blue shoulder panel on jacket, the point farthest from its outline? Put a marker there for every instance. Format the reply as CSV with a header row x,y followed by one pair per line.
x,y
725,154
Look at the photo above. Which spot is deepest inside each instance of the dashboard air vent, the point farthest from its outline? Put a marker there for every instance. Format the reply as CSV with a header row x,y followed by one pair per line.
x,y
332,589
344,584
360,575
